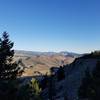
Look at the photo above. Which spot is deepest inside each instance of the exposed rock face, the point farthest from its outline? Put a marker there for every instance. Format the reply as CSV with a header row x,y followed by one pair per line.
x,y
74,75
67,89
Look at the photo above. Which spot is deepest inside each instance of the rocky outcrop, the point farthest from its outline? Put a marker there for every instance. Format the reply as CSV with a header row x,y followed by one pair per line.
x,y
74,75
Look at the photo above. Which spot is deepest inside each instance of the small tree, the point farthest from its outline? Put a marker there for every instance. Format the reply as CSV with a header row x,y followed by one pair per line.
x,y
51,85
60,74
36,90
44,82
30,91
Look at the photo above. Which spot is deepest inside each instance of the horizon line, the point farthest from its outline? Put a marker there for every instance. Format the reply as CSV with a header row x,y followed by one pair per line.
x,y
54,51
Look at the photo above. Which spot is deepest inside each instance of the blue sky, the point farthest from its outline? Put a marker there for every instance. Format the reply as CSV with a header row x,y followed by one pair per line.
x,y
52,25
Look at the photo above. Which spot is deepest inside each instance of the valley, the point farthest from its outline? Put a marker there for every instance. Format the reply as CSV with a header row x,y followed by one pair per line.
x,y
35,63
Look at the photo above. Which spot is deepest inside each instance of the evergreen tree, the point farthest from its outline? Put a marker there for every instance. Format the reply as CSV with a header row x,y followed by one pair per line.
x,y
8,69
51,86
36,90
30,91
60,74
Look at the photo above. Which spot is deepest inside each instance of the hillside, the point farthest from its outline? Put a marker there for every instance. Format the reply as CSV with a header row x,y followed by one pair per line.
x,y
67,88
35,62
62,83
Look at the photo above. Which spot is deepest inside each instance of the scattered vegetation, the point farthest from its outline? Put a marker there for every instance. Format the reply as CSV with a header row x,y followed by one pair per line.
x,y
12,89
95,54
44,82
60,74
30,91
36,90
90,88
10,86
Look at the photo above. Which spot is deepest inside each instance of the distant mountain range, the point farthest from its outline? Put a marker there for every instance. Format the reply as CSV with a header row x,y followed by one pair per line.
x,y
35,53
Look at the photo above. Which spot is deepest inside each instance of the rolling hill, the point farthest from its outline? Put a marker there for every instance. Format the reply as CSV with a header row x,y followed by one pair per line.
x,y
42,61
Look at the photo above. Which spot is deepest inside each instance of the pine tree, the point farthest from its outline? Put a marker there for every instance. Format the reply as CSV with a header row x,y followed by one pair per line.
x,y
8,69
60,74
36,90
30,91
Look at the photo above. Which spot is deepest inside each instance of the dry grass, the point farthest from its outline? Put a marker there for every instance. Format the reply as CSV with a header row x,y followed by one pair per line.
x,y
42,63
